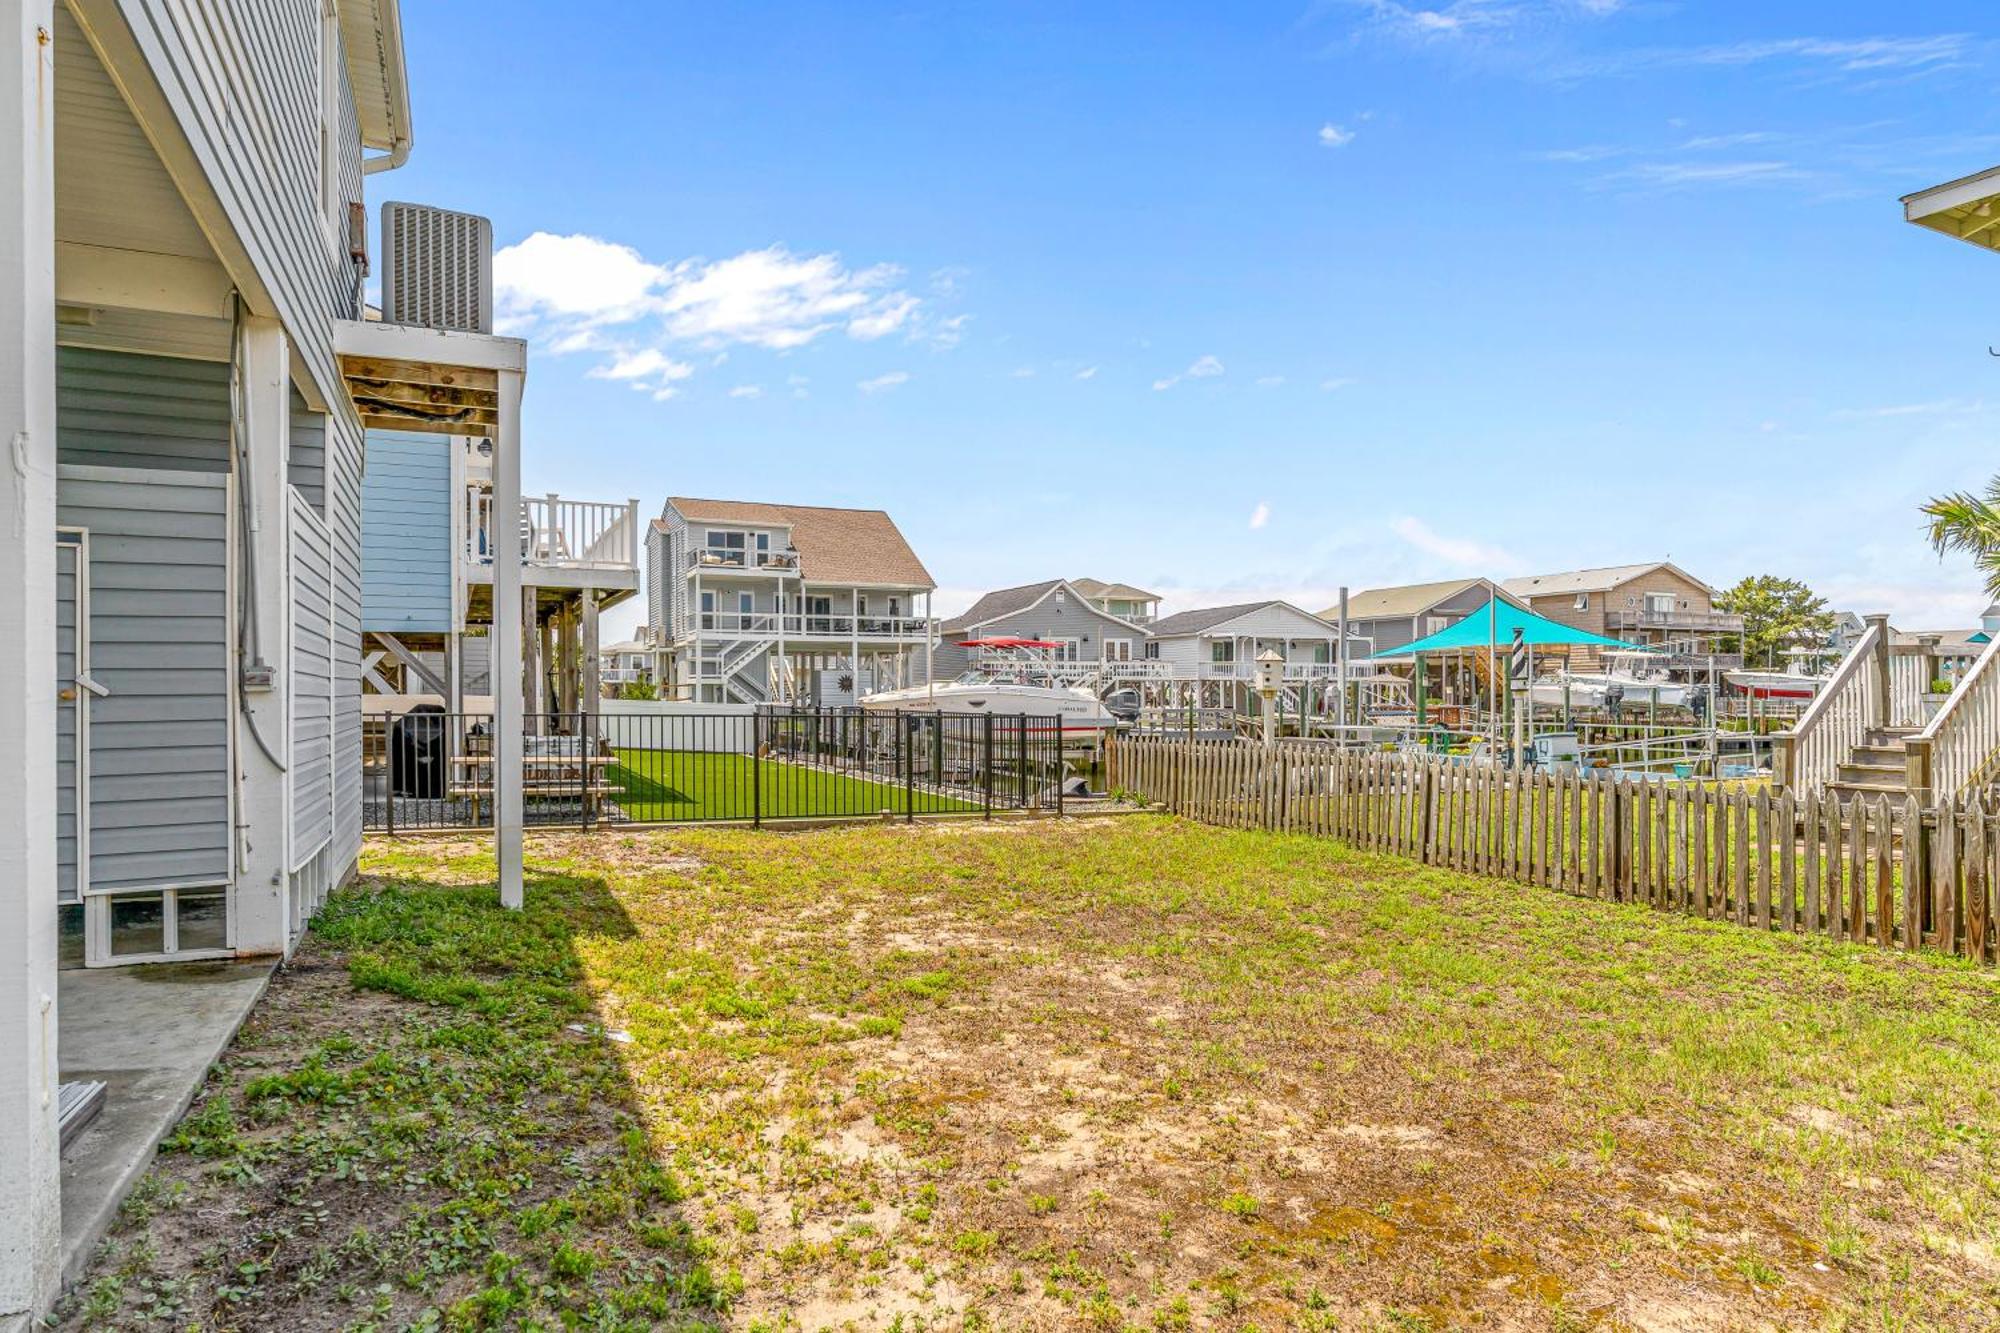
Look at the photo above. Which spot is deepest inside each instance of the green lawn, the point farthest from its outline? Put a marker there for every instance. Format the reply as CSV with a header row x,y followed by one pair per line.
x,y
1127,1073
655,786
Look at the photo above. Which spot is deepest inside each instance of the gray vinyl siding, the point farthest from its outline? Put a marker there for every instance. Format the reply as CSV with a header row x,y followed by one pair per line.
x,y
406,533
312,686
120,409
344,460
1045,620
159,624
242,79
307,464
66,722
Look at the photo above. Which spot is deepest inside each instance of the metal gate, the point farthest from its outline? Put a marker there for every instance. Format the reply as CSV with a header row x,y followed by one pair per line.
x,y
429,769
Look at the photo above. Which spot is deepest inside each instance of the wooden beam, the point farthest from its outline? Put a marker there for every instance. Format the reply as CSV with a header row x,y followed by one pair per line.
x,y
444,419
410,661
417,394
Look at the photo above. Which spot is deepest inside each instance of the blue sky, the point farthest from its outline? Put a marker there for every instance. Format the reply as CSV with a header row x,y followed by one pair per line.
x,y
1249,300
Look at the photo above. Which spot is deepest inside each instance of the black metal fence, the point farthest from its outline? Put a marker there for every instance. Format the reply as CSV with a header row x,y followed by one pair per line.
x,y
426,769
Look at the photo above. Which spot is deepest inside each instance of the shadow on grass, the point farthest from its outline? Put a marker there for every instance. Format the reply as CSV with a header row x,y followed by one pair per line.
x,y
423,1125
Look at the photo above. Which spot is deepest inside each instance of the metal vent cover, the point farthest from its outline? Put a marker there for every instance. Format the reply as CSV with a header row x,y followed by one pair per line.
x,y
437,268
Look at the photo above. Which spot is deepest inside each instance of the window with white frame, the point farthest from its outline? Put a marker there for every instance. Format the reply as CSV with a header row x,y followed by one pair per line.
x,y
1222,650
1659,603
1117,650
1582,602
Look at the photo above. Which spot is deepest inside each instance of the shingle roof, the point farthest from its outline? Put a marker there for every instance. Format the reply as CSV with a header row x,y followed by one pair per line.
x,y
1208,617
1407,599
834,545
1001,602
1097,589
1601,579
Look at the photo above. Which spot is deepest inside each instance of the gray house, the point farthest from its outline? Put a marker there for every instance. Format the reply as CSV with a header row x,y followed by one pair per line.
x,y
1390,618
1223,642
185,385
1054,610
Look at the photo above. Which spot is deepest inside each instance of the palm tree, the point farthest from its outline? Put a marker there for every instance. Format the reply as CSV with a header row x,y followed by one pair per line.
x,y
1970,523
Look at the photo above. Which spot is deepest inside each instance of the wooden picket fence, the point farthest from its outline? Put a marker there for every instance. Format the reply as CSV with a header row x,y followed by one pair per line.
x,y
1895,874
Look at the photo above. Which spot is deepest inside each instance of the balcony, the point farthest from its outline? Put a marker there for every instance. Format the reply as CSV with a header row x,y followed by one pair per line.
x,y
725,559
803,626
575,536
1707,622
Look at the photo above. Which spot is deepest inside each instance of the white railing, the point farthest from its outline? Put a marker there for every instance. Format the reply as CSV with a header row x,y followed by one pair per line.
x,y
1957,749
1809,756
1911,671
1248,671
725,558
797,625
559,533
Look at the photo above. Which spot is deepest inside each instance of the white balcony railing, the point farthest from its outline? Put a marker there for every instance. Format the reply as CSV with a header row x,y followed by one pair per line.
x,y
806,625
722,559
559,533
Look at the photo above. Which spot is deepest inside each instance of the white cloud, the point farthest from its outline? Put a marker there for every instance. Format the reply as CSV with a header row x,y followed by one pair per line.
x,y
579,278
1087,373
1465,552
1682,175
1206,367
1336,382
885,381
1260,515
643,364
1269,381
884,320
949,333
1335,136
747,391
1022,373
581,293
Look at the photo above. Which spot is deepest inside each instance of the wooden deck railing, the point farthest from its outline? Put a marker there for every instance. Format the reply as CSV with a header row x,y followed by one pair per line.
x,y
1847,707
1890,873
1959,749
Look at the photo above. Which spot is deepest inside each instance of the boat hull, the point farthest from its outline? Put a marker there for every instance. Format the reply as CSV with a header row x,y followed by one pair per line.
x,y
1078,715
1774,684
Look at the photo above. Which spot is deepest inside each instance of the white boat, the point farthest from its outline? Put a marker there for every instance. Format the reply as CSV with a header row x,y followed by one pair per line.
x,y
1628,679
1012,680
1775,684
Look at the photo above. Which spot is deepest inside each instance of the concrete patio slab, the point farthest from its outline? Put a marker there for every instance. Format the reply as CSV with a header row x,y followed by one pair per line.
x,y
150,1033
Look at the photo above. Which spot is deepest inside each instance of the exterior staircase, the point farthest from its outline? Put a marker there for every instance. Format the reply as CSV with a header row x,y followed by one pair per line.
x,y
1879,766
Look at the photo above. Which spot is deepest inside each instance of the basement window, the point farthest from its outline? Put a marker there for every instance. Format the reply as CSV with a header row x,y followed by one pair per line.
x,y
163,925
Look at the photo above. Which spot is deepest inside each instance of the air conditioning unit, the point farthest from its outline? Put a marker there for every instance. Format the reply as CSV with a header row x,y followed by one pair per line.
x,y
437,268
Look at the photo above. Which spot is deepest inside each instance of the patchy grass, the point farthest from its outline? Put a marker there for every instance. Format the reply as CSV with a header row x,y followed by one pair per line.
x,y
665,786
1126,1074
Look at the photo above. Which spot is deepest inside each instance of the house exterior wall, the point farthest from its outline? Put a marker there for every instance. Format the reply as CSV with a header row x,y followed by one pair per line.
x,y
1075,619
159,643
312,683
121,409
1629,596
1392,633
406,556
307,465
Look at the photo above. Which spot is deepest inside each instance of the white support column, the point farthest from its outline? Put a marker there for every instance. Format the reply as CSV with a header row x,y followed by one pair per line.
x,y
508,663
264,801
30,1211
